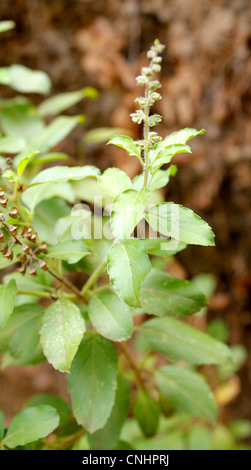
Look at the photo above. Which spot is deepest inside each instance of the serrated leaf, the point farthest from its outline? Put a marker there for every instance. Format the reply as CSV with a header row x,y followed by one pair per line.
x,y
187,390
58,103
127,210
127,143
147,411
23,79
162,294
107,437
34,195
7,301
30,425
110,316
71,251
180,223
162,247
61,333
61,174
176,138
11,144
93,382
128,264
114,181
179,341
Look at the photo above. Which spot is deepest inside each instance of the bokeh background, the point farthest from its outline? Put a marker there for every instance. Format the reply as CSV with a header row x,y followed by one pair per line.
x,y
206,82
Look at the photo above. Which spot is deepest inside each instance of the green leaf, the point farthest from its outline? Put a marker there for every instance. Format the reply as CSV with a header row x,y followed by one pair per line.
x,y
162,247
35,194
93,382
31,424
166,156
240,428
114,181
110,316
58,403
127,143
26,338
23,79
161,178
20,316
6,26
146,410
179,341
7,301
176,138
2,426
11,144
128,264
71,251
22,164
108,437
58,103
180,223
19,118
162,294
187,390
127,210
61,333
55,132
46,215
61,174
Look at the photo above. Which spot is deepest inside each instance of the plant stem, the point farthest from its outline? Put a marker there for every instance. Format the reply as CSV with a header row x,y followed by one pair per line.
x,y
146,131
133,366
93,278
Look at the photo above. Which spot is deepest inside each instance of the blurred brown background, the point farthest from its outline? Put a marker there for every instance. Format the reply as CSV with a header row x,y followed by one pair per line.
x,y
206,82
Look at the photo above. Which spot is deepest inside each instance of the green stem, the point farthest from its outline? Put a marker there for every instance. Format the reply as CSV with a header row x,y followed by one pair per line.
x,y
93,278
146,132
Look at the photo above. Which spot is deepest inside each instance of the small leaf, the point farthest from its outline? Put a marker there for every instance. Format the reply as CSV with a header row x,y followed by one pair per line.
x,y
24,162
162,247
58,103
166,155
161,177
128,264
31,424
127,143
176,138
107,437
179,341
93,382
61,332
180,223
162,294
7,301
23,79
187,390
127,210
11,144
61,174
110,316
71,251
114,181
147,411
